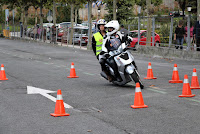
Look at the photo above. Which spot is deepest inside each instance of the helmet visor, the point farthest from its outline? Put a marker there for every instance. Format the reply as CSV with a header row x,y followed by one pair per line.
x,y
110,29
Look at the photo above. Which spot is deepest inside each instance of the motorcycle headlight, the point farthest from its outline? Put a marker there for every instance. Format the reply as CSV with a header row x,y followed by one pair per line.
x,y
129,69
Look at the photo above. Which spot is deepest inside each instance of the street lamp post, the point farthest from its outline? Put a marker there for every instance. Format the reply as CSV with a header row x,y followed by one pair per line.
x,y
139,11
171,31
189,7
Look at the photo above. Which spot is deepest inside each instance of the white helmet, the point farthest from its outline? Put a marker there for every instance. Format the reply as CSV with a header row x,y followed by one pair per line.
x,y
101,22
112,24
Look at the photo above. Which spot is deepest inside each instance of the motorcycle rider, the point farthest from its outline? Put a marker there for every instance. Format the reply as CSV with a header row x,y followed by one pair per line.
x,y
111,42
97,41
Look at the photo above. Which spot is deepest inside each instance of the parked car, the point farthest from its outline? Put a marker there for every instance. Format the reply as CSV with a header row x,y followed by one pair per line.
x,y
47,25
143,38
80,35
64,25
85,23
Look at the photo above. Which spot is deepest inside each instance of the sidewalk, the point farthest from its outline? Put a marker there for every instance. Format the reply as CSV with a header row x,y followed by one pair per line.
x,y
163,52
166,52
73,46
48,42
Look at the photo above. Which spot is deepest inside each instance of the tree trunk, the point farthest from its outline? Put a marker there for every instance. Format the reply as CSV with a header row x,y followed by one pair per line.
x,y
114,9
36,18
149,23
22,15
72,24
89,45
25,18
198,8
1,17
2,26
54,13
76,15
41,15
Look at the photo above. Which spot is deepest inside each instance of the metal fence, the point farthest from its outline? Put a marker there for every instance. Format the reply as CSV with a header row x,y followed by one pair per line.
x,y
50,34
164,26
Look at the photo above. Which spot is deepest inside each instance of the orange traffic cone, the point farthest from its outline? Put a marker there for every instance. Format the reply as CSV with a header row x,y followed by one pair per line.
x,y
72,72
194,81
3,73
186,88
138,101
59,108
175,76
150,72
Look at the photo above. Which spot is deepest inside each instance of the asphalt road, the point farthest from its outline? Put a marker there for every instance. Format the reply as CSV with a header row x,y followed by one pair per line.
x,y
99,107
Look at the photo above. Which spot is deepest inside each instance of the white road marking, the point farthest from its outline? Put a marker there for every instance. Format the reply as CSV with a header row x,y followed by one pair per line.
x,y
43,92
190,99
88,73
158,91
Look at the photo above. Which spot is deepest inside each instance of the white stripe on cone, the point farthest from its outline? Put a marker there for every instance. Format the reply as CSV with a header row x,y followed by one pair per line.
x,y
186,81
194,74
175,69
137,89
149,67
59,97
72,66
2,68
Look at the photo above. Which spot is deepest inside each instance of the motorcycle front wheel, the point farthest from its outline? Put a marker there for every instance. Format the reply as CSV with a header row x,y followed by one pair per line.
x,y
136,78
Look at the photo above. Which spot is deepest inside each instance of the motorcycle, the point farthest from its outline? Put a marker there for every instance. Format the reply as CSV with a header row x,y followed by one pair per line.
x,y
125,64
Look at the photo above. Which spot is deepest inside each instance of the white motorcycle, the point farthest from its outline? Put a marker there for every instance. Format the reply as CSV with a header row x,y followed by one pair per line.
x,y
125,64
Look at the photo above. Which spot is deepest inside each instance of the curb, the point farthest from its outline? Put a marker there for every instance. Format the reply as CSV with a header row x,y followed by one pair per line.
x,y
48,43
166,52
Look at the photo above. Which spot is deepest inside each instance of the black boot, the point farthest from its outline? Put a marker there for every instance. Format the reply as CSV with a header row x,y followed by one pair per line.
x,y
110,79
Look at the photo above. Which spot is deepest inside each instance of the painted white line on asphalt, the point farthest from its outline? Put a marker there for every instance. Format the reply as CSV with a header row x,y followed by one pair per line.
x,y
62,66
190,99
158,91
88,73
151,89
43,92
47,63
54,99
57,66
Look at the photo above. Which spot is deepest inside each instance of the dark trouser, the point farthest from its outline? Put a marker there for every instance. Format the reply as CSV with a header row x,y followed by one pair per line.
x,y
111,62
103,66
102,63
179,42
198,43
